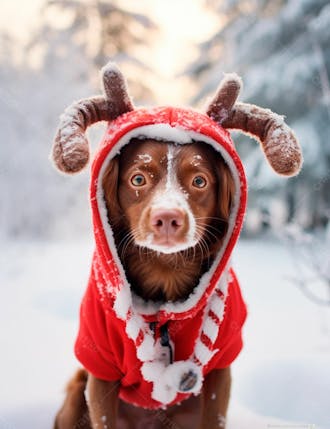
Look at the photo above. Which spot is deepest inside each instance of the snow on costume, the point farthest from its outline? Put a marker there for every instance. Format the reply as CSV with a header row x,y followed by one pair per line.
x,y
161,352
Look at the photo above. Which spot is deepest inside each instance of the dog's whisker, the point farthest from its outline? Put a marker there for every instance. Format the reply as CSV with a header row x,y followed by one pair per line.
x,y
208,233
208,226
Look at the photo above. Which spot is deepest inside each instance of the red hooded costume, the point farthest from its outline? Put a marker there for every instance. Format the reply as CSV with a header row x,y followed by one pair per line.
x,y
117,339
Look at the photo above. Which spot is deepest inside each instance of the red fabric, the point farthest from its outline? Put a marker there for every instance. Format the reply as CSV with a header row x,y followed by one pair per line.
x,y
105,350
102,345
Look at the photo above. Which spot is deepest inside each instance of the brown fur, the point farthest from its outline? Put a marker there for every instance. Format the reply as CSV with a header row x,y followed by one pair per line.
x,y
74,412
159,276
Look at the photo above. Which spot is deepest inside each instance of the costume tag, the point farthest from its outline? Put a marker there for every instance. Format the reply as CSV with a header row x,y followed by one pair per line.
x,y
163,353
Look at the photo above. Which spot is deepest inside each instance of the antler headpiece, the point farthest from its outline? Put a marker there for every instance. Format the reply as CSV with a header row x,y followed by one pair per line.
x,y
71,148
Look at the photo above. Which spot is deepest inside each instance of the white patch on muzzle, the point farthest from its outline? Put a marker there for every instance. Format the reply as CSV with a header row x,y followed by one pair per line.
x,y
172,197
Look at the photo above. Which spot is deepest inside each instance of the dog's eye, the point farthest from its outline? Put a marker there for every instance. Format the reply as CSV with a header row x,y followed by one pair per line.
x,y
199,182
138,180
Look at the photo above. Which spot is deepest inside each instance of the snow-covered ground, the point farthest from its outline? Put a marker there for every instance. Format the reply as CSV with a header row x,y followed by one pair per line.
x,y
281,379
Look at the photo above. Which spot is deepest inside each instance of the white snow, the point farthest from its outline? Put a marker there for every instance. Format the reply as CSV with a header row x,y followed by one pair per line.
x,y
282,376
196,161
145,157
112,72
221,421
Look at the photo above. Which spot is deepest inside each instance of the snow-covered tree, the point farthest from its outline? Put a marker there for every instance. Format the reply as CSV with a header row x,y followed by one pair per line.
x,y
53,69
310,256
102,30
282,50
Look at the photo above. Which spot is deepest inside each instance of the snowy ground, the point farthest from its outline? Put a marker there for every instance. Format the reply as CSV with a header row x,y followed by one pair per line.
x,y
281,379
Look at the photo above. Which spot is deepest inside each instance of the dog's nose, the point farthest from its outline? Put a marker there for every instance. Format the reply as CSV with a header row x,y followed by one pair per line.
x,y
167,222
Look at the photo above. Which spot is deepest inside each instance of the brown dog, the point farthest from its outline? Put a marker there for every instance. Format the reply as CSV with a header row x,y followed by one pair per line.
x,y
165,246
161,318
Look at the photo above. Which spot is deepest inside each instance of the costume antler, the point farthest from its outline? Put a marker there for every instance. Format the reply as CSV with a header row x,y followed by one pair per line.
x,y
71,148
278,141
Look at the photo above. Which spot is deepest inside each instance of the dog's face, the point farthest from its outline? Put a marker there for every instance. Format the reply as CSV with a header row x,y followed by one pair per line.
x,y
171,197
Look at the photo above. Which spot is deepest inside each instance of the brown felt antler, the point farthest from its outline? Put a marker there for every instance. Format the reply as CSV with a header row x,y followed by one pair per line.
x,y
278,141
71,148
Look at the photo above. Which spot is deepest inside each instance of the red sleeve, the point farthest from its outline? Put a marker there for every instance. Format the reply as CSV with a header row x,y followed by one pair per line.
x,y
92,347
229,341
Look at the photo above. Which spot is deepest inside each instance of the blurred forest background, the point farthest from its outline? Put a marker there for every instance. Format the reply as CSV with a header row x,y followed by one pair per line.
x,y
280,48
172,52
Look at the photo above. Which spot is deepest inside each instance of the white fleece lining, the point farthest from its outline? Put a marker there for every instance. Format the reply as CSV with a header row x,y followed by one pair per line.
x,y
163,132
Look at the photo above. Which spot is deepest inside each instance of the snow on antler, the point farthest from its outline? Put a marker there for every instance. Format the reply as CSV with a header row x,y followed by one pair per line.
x,y
71,148
278,141
225,97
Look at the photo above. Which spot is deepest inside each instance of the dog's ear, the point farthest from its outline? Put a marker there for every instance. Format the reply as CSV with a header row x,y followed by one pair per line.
x,y
226,190
278,141
110,182
224,200
71,149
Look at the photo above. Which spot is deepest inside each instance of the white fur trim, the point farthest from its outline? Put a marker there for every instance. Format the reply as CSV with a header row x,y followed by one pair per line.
x,y
146,350
152,370
123,302
133,327
166,379
163,393
210,329
203,353
217,306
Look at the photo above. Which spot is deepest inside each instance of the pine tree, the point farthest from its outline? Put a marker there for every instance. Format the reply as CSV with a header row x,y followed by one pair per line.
x,y
57,66
282,51
97,31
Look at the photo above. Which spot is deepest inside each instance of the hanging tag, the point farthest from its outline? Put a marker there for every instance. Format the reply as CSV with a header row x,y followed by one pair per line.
x,y
163,353
188,381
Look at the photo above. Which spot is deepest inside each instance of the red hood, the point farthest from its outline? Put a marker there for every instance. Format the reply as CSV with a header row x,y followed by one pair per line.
x,y
182,126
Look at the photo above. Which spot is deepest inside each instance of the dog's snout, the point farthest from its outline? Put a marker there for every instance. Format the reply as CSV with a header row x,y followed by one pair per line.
x,y
167,222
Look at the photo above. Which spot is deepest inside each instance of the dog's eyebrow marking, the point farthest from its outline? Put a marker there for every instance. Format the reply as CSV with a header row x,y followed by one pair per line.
x,y
170,177
172,183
